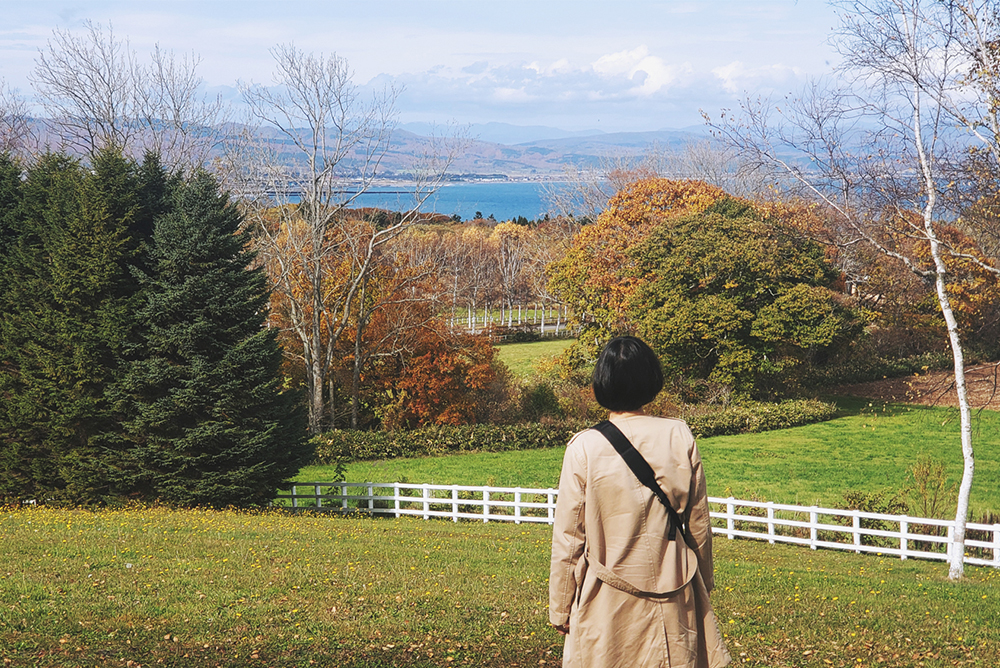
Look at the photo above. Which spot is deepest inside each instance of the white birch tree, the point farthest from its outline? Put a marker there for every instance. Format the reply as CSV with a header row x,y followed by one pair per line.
x,y
881,145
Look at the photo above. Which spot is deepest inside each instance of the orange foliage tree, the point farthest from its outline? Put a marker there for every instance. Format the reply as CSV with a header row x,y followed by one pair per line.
x,y
592,276
450,379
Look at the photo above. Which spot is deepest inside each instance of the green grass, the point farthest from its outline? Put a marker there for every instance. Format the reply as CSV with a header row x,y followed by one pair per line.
x,y
520,358
156,587
870,448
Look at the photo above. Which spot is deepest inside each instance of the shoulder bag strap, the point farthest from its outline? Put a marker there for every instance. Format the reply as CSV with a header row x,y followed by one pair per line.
x,y
640,467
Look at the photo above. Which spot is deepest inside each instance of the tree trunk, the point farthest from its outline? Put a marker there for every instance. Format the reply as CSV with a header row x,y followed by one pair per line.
x,y
331,388
316,404
956,566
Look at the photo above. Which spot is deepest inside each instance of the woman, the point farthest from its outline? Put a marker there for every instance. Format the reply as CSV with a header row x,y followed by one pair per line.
x,y
620,590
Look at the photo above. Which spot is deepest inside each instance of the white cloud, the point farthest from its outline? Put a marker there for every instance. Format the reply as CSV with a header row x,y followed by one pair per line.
x,y
651,73
737,77
512,95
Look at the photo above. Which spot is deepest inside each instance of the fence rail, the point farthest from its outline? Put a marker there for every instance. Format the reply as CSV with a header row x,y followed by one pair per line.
x,y
812,526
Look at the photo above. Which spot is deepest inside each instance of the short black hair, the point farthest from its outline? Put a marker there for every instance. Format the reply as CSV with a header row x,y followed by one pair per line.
x,y
627,375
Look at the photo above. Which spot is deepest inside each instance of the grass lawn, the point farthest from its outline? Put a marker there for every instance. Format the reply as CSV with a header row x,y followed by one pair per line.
x,y
870,448
520,358
155,587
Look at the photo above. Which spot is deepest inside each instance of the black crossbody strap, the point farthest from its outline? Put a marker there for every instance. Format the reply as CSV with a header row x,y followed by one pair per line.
x,y
640,467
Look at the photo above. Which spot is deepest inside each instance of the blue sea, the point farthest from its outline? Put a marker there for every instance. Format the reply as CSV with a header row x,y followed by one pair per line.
x,y
503,199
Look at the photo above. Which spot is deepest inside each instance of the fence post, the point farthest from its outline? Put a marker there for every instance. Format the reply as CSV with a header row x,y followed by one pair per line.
x,y
395,495
319,500
770,521
486,505
996,546
904,528
295,499
857,529
730,521
454,503
427,505
517,505
551,509
951,542
371,497
343,497
813,527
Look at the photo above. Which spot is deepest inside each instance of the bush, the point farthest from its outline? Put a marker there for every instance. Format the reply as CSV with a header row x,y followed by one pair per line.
x,y
347,445
757,417
883,502
864,369
344,445
539,401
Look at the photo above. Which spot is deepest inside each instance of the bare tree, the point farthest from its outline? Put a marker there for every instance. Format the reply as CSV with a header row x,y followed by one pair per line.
x,y
583,194
549,244
96,94
512,245
878,150
326,148
15,130
715,163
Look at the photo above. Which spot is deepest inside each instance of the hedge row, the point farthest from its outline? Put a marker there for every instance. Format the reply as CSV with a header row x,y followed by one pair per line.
x,y
346,445
757,417
868,369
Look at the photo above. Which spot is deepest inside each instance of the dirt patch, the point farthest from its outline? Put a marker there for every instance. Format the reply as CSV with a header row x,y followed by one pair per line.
x,y
935,388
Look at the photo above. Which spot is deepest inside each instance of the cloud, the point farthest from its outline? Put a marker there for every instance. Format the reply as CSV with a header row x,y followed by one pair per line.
x,y
651,73
505,95
737,77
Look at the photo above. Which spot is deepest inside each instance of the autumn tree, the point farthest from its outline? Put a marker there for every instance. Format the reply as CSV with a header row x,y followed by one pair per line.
x,y
399,297
593,275
450,379
511,250
336,141
479,279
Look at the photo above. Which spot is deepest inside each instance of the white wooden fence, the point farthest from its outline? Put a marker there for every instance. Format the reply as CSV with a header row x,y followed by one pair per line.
x,y
812,526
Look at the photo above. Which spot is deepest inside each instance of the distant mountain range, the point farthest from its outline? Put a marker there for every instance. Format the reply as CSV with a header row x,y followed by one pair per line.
x,y
495,150
531,151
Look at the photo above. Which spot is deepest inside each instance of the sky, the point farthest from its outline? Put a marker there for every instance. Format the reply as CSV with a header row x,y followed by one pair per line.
x,y
610,65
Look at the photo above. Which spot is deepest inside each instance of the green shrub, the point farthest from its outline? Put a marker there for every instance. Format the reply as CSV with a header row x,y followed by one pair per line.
x,y
756,417
347,445
882,502
864,369
344,445
539,401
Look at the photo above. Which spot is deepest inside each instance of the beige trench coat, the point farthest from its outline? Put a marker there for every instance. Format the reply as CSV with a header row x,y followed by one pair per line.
x,y
631,597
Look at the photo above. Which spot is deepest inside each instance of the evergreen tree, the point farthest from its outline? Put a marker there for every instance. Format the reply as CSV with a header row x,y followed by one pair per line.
x,y
69,309
10,198
209,423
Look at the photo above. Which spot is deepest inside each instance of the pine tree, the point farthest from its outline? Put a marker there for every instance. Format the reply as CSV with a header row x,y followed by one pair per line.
x,y
10,198
69,310
209,423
